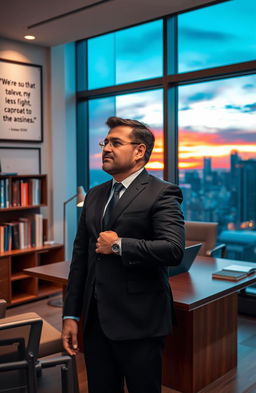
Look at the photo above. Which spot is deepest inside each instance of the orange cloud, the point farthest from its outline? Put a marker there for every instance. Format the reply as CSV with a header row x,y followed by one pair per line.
x,y
194,146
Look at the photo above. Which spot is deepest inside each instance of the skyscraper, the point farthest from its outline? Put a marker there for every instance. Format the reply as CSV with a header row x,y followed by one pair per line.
x,y
234,160
207,171
247,190
207,166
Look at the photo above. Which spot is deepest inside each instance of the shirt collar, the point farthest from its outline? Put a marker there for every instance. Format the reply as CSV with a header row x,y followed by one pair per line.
x,y
126,182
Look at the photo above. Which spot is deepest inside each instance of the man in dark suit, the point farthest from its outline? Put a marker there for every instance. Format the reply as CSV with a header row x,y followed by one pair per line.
x,y
131,229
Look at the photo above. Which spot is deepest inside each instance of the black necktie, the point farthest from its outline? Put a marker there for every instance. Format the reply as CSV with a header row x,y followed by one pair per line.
x,y
110,208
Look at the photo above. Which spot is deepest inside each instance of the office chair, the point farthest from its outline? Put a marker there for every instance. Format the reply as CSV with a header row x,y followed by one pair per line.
x,y
24,339
205,233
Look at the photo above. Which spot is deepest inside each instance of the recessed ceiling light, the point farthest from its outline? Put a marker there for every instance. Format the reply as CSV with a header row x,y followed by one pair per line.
x,y
29,37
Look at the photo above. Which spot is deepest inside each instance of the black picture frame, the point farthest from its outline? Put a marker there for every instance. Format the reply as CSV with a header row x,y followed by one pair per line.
x,y
20,160
21,110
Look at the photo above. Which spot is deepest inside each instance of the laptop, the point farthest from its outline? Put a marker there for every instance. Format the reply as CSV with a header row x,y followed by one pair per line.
x,y
189,256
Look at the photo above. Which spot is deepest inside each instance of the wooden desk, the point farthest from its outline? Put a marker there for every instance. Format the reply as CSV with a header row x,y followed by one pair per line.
x,y
56,273
203,346
53,272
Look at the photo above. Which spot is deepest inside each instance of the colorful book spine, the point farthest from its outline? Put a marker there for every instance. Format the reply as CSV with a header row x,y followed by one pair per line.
x,y
39,230
7,193
15,193
2,193
1,238
24,193
15,236
22,234
7,245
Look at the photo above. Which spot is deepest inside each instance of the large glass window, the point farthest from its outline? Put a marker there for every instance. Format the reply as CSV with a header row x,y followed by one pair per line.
x,y
217,152
218,35
216,118
146,107
127,55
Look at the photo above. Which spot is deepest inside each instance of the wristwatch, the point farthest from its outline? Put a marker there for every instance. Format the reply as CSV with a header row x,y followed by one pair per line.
x,y
116,248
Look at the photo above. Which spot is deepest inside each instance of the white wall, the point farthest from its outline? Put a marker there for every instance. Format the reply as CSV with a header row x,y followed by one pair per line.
x,y
64,140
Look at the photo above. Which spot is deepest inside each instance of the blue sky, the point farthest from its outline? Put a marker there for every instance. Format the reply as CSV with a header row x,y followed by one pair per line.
x,y
217,35
125,56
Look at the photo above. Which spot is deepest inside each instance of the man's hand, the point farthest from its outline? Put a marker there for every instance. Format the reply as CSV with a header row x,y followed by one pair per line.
x,y
105,241
69,336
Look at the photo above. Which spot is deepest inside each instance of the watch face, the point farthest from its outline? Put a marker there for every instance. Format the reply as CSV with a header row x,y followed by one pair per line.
x,y
116,248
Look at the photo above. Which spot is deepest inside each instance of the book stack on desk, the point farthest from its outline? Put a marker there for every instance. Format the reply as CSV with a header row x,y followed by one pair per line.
x,y
234,272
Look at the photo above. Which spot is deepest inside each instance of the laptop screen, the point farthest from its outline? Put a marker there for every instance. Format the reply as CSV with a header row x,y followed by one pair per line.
x,y
189,256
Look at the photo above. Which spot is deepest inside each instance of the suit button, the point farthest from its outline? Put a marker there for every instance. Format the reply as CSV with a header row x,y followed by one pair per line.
x,y
98,258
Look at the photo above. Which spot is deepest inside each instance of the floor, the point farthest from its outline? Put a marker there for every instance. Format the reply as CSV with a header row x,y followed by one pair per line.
x,y
240,380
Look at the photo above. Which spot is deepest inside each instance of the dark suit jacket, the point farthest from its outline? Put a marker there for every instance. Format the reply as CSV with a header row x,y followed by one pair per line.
x,y
133,294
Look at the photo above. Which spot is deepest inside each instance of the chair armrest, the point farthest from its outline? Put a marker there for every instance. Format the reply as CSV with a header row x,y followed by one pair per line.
x,y
21,349
221,247
68,371
2,308
10,341
20,320
33,321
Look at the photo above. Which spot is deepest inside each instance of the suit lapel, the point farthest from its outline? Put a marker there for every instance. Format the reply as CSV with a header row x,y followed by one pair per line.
x,y
130,194
100,203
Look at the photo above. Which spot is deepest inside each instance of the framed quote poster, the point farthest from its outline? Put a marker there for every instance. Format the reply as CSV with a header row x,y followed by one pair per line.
x,y
20,102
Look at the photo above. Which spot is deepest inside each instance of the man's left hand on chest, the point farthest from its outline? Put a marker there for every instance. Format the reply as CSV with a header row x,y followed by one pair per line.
x,y
105,241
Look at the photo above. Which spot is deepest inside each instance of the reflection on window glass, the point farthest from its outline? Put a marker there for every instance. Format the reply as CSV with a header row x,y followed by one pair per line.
x,y
218,35
126,56
146,107
217,159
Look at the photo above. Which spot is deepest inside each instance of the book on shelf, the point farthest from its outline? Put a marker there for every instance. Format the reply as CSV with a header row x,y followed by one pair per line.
x,y
7,193
15,236
26,232
39,230
24,193
2,239
234,272
34,191
15,193
4,193
21,235
20,192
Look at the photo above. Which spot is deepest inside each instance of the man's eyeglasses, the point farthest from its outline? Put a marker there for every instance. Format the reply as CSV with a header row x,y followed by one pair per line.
x,y
115,143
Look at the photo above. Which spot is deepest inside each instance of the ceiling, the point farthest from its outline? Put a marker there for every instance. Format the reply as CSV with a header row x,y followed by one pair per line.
x,y
55,22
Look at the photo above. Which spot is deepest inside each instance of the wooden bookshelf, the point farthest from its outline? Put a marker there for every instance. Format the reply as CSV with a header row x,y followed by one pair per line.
x,y
15,286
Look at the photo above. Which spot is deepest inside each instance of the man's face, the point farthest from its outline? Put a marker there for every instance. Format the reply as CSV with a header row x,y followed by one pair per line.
x,y
120,154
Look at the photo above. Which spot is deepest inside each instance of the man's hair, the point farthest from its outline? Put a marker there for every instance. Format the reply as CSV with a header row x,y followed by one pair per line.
x,y
140,132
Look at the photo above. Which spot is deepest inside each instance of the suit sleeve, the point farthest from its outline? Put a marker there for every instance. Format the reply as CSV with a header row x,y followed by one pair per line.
x,y
78,271
167,243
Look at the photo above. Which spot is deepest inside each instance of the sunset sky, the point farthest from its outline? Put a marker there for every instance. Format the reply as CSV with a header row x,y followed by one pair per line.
x,y
216,118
